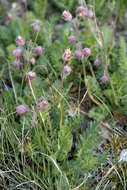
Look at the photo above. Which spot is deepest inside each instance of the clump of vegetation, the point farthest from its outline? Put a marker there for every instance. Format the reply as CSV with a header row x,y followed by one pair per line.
x,y
63,95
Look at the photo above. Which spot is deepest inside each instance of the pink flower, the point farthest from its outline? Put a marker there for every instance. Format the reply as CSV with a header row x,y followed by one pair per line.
x,y
38,50
78,54
104,79
66,55
21,109
16,63
71,39
20,41
67,69
10,17
86,52
42,105
81,11
89,14
36,28
97,62
18,52
31,75
66,15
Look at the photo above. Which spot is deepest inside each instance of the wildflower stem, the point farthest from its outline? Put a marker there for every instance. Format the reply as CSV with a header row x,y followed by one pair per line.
x,y
92,72
86,83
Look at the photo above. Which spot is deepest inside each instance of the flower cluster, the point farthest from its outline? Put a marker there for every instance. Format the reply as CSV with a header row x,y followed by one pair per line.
x,y
22,109
86,52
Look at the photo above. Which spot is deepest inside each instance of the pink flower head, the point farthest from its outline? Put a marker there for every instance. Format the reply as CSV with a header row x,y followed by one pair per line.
x,y
66,15
86,52
81,11
97,62
21,109
36,28
71,39
10,17
38,50
67,69
89,14
16,63
78,54
20,41
66,55
31,75
104,79
18,52
42,105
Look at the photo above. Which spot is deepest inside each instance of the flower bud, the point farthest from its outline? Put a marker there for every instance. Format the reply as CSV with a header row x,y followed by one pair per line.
x,y
16,63
78,54
10,17
18,52
66,55
42,105
97,62
67,69
66,15
81,11
33,60
75,22
38,50
86,52
31,75
20,41
89,14
104,79
36,28
21,109
71,39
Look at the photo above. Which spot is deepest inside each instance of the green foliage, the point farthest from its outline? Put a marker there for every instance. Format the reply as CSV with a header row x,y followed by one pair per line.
x,y
122,9
89,141
65,4
40,8
99,113
94,87
64,143
50,147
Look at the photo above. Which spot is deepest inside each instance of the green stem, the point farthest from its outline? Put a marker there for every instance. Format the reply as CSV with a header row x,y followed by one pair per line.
x,y
86,83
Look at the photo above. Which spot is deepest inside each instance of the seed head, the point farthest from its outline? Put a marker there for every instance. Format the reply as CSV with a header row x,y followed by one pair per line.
x,y
81,11
66,55
97,62
18,52
36,28
10,17
21,109
123,155
71,39
16,63
33,60
31,75
78,54
104,79
89,14
66,15
67,69
42,105
38,50
86,52
20,41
